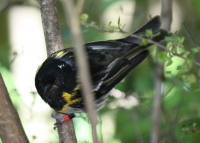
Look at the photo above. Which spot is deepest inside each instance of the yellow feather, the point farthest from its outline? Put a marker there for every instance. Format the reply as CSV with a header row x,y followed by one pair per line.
x,y
68,98
64,109
77,87
60,54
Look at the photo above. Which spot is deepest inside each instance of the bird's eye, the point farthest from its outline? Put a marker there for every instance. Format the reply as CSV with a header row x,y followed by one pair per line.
x,y
47,88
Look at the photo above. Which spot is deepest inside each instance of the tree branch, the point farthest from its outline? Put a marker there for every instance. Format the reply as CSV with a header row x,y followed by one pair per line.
x,y
54,43
81,60
51,27
11,130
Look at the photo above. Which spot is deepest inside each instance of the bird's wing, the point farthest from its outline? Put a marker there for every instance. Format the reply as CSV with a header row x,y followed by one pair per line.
x,y
110,61
118,69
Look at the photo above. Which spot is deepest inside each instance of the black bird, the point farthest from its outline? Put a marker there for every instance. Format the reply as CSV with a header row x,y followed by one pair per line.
x,y
109,61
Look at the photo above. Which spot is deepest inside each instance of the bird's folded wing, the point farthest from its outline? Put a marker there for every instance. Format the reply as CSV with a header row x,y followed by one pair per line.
x,y
117,70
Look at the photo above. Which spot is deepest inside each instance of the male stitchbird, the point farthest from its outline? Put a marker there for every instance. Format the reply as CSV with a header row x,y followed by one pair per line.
x,y
110,61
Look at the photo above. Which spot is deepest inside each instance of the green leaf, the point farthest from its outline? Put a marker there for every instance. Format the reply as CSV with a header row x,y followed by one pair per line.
x,y
162,56
149,33
144,42
102,26
190,58
195,49
156,34
169,44
168,63
179,68
175,38
93,23
181,39
182,53
168,72
84,17
168,39
191,78
118,21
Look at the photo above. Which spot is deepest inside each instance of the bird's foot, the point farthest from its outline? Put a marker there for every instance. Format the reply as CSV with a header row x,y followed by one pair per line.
x,y
61,118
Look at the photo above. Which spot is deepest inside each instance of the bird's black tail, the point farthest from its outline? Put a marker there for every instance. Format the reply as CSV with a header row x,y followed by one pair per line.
x,y
154,25
135,39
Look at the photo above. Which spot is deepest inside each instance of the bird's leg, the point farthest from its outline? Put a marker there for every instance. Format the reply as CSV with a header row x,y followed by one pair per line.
x,y
61,118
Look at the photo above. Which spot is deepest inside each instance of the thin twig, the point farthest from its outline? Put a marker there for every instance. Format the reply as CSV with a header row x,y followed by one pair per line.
x,y
81,60
54,43
134,118
11,130
171,134
166,17
156,114
197,63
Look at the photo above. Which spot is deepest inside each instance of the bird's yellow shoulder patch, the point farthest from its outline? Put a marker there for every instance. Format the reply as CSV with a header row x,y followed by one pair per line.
x,y
69,101
68,98
64,109
60,54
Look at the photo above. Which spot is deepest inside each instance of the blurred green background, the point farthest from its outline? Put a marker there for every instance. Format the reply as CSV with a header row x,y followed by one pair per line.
x,y
126,116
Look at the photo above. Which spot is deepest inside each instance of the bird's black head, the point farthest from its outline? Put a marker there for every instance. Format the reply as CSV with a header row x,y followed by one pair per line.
x,y
53,78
